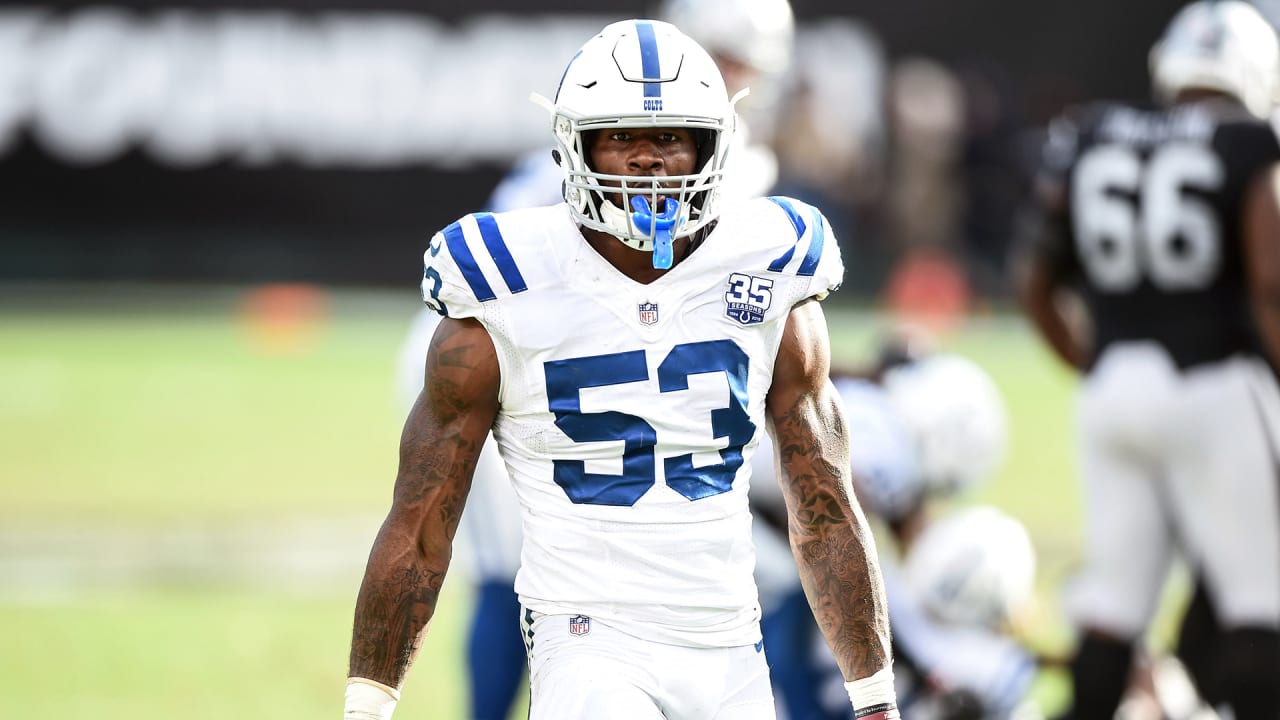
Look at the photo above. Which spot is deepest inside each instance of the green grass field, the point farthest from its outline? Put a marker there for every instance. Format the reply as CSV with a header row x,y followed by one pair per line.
x,y
145,410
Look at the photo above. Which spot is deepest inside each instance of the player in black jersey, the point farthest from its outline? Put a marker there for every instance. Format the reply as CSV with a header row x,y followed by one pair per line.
x,y
1166,223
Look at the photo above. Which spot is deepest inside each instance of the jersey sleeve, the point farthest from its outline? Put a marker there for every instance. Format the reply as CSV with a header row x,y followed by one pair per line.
x,y
1044,227
468,264
1247,147
814,255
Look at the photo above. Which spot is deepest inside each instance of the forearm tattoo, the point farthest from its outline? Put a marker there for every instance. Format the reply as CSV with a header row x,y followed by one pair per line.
x,y
391,618
832,543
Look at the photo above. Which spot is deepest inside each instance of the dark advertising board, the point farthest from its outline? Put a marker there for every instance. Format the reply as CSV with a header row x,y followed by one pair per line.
x,y
325,141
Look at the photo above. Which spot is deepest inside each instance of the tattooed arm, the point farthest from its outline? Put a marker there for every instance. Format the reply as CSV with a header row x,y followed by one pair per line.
x,y
829,534
438,450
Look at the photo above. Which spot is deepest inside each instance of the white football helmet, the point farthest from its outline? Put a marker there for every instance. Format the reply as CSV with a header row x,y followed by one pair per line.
x,y
758,33
958,418
974,567
642,73
1226,46
882,451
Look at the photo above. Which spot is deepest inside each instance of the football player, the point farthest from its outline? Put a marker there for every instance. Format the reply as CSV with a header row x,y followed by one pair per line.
x,y
627,348
751,42
1165,221
965,582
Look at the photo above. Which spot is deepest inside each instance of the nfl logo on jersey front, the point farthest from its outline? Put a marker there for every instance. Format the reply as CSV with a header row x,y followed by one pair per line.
x,y
648,313
579,625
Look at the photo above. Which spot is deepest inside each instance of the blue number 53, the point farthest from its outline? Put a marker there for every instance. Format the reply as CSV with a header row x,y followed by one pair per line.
x,y
567,378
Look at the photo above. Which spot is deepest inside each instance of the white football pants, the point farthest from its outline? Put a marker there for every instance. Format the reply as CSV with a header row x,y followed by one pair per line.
x,y
1183,460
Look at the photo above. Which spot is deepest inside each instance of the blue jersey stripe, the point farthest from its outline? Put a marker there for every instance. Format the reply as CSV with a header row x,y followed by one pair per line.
x,y
501,255
811,258
649,59
467,263
797,222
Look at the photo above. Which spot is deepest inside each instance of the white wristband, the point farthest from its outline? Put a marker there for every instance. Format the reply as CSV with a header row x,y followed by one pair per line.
x,y
369,700
873,697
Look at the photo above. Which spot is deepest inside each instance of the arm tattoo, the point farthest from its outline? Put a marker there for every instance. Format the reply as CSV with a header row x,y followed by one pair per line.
x,y
441,442
428,446
391,617
831,540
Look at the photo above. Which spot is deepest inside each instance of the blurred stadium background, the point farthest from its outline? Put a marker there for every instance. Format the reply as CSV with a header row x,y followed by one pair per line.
x,y
211,215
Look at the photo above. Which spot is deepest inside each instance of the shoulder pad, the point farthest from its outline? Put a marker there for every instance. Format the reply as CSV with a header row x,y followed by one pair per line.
x,y
813,252
467,264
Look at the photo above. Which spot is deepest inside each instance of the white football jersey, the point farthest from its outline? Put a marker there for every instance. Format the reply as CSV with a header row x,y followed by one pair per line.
x,y
629,412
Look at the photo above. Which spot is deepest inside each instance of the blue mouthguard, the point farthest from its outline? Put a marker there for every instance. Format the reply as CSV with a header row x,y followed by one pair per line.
x,y
660,226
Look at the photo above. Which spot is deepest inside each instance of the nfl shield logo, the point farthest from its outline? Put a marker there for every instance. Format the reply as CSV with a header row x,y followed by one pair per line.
x,y
579,625
648,313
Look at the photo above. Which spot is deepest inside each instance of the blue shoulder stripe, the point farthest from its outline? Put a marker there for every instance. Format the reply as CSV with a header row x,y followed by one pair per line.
x,y
809,265
797,223
467,263
811,258
501,255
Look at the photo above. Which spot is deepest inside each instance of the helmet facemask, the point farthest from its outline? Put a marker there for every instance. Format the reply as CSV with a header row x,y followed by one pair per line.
x,y
607,87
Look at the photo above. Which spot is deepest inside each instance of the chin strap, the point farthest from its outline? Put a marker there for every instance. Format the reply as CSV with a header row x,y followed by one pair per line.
x,y
660,226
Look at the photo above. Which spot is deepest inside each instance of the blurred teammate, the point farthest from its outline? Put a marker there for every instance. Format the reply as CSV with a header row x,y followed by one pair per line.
x,y
627,348
1167,220
965,581
751,42
925,427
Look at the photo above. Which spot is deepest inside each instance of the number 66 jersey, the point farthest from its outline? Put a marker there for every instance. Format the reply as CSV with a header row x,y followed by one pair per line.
x,y
629,412
1152,222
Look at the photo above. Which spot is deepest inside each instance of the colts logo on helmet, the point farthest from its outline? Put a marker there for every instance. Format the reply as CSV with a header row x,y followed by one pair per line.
x,y
652,104
748,298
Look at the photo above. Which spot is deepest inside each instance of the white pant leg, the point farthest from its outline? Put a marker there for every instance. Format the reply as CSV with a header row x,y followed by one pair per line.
x,y
606,673
1128,543
1225,488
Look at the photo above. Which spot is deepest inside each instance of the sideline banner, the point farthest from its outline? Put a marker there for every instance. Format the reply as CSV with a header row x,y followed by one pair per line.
x,y
231,140
306,140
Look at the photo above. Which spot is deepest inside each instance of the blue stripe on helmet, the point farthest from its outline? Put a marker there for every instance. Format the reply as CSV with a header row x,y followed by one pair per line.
x,y
649,58
796,222
564,74
498,251
467,263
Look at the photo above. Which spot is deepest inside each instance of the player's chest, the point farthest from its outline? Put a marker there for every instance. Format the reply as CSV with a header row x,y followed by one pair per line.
x,y
606,311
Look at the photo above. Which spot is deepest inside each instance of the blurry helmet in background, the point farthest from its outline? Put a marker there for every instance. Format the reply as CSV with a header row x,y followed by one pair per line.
x,y
882,451
1226,46
901,344
642,73
756,33
957,416
973,567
